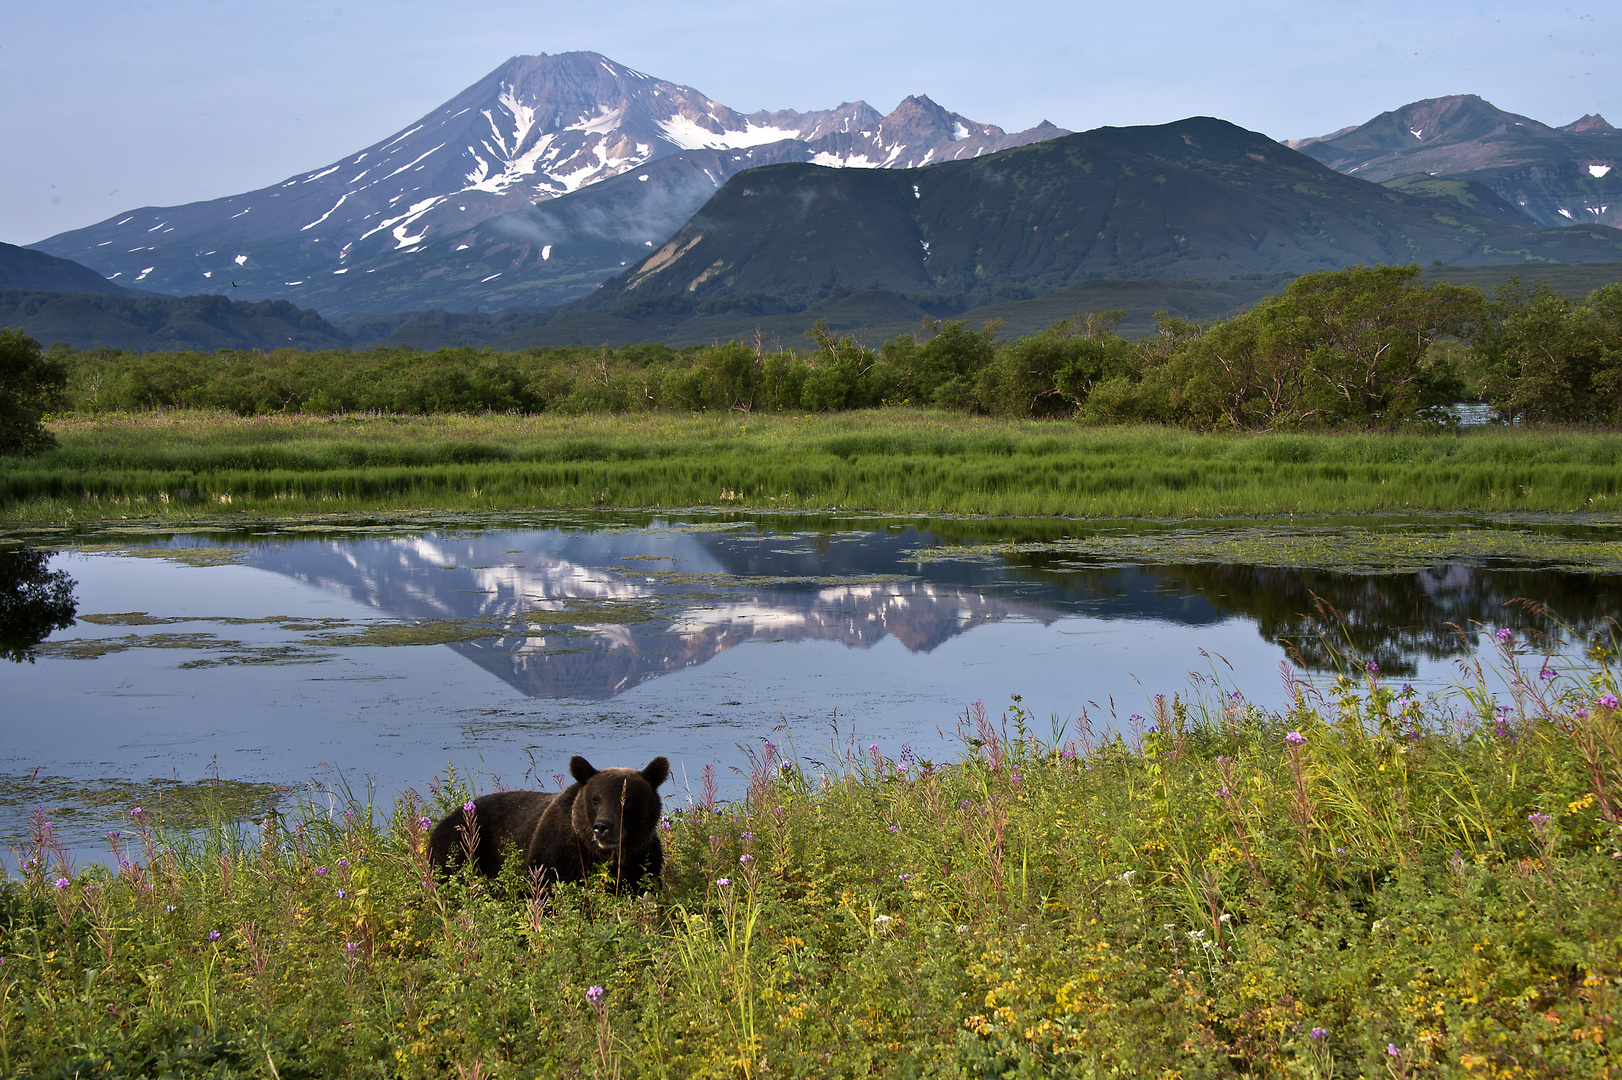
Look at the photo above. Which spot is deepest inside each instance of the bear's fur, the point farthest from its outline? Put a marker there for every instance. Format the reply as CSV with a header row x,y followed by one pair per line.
x,y
606,816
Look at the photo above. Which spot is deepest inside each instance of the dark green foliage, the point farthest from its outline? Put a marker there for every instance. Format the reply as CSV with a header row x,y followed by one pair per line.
x,y
34,601
31,385
1544,357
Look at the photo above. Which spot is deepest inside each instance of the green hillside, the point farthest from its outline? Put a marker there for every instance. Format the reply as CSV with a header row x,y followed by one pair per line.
x,y
1197,198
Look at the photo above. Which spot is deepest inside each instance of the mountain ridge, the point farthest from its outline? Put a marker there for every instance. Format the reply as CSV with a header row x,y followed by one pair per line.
x,y
1554,176
1199,197
534,130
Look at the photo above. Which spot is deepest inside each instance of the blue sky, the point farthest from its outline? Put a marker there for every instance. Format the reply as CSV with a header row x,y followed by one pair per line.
x,y
115,104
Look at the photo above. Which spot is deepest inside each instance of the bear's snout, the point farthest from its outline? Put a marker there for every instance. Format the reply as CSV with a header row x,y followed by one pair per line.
x,y
603,829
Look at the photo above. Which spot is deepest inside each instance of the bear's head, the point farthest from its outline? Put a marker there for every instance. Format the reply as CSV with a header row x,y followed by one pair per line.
x,y
617,808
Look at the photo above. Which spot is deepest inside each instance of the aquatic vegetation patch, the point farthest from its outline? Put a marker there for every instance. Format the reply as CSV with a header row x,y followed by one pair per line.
x,y
186,556
95,648
1364,550
82,810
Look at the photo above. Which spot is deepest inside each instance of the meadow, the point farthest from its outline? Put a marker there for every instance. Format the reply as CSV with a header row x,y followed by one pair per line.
x,y
1366,884
188,464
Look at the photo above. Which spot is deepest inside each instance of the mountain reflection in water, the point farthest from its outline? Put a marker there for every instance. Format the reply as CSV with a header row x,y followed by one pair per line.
x,y
590,614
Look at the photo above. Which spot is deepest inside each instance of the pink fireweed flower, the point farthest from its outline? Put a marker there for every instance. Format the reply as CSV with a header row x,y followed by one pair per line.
x,y
1373,669
1546,674
61,883
213,935
746,859
423,823
1505,636
1609,701
1295,738
1320,1033
321,870
468,807
594,995
723,881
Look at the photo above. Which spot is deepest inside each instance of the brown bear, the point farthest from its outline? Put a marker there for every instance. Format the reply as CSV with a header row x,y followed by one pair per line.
x,y
605,816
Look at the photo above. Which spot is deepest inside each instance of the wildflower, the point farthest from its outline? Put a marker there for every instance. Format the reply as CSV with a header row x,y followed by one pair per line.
x,y
746,859
468,807
1223,791
1546,674
723,881
1295,738
213,935
906,877
1127,877
594,996
62,883
872,748
1016,778
895,828
1609,701
769,744
423,823
343,862
114,835
1504,638
342,894
1391,1048
350,947
1372,668
880,920
1538,819
1320,1033
169,908
137,812
665,825
748,836
321,870
1581,714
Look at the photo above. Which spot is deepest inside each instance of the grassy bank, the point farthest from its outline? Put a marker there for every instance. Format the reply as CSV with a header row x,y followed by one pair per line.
x,y
1365,886
187,464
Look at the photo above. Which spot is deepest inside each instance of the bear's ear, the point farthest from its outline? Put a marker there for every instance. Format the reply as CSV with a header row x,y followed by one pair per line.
x,y
657,772
581,769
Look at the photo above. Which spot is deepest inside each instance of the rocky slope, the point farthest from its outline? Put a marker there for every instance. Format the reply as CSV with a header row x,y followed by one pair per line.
x,y
1554,176
501,196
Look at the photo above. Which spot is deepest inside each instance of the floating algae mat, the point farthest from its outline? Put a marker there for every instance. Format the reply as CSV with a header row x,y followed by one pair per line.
x,y
374,652
1360,551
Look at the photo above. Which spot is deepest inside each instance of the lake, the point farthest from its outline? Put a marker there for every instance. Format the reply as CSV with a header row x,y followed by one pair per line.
x,y
313,655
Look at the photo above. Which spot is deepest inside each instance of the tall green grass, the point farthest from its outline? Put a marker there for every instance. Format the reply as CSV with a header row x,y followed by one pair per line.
x,y
1362,885
888,461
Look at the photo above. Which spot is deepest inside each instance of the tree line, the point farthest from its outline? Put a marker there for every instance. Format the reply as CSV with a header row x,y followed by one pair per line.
x,y
1360,348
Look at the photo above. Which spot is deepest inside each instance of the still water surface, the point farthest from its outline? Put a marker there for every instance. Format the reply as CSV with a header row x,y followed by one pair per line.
x,y
379,655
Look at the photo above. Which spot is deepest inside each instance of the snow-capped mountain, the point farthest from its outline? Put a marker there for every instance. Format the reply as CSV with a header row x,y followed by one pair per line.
x,y
374,230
